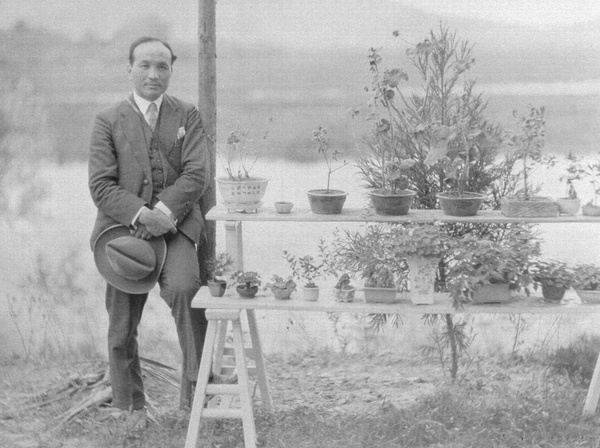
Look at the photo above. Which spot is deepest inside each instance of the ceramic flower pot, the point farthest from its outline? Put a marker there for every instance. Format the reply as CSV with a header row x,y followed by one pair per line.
x,y
494,293
590,210
344,295
553,293
282,293
310,294
421,275
534,207
587,296
217,288
392,204
468,204
246,293
568,206
380,295
242,195
326,202
283,207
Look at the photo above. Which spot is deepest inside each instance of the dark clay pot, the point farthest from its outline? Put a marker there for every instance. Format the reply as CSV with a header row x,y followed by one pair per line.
x,y
247,293
466,205
326,202
217,288
392,204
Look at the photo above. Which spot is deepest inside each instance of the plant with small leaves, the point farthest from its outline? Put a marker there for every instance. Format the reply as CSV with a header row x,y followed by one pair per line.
x,y
586,277
241,152
421,240
379,277
305,268
321,139
219,265
278,282
246,279
551,273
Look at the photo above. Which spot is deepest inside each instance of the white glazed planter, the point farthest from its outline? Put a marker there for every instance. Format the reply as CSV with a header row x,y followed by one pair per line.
x,y
421,275
242,195
310,294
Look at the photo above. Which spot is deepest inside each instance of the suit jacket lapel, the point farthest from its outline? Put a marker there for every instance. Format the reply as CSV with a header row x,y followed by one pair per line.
x,y
169,123
134,133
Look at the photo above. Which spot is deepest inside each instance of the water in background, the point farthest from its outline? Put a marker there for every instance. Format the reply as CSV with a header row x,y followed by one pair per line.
x,y
66,219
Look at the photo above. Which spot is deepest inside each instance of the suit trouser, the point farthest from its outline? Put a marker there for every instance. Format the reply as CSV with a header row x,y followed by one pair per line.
x,y
179,282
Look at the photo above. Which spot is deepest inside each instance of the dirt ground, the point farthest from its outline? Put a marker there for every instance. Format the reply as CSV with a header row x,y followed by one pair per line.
x,y
330,382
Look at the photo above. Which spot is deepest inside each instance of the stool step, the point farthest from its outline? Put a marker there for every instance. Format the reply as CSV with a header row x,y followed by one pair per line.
x,y
222,389
221,413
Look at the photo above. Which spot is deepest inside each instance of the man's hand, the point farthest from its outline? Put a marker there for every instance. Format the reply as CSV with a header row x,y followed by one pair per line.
x,y
153,223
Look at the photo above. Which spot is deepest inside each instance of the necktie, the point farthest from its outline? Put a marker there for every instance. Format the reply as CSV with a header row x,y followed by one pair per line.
x,y
152,114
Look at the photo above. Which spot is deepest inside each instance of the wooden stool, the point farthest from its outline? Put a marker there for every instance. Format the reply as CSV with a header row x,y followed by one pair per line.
x,y
215,337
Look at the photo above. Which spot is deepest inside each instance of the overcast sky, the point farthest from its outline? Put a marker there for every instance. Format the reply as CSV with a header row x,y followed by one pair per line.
x,y
307,22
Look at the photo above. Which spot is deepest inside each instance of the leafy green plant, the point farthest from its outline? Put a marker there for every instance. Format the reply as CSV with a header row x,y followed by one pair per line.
x,y
586,277
379,277
552,273
246,279
479,261
321,139
424,240
305,268
219,265
279,282
528,142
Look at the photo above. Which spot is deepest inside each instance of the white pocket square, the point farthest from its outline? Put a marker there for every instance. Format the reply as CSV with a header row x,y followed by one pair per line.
x,y
180,133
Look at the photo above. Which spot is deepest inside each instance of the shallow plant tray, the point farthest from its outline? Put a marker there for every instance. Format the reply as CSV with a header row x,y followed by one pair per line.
x,y
536,207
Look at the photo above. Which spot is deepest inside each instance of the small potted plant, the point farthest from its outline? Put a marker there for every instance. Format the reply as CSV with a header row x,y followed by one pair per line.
x,y
283,207
570,204
282,288
554,277
306,269
240,191
344,291
246,283
528,143
592,172
586,281
380,285
217,284
326,201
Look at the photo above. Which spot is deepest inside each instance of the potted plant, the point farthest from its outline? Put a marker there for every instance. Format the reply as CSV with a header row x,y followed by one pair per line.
x,y
586,281
282,288
385,169
344,291
592,171
423,246
240,191
218,266
481,270
326,201
246,283
528,143
570,204
372,252
554,277
306,269
283,207
380,285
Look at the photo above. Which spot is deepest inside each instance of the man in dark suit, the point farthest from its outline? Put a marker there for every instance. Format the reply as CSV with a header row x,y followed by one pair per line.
x,y
148,167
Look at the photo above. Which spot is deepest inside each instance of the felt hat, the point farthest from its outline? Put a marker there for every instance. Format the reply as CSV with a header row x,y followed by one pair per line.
x,y
130,264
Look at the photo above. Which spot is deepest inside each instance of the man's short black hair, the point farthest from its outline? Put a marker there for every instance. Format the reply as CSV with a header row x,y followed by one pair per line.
x,y
145,39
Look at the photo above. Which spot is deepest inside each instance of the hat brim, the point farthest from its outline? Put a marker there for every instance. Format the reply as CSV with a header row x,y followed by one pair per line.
x,y
142,286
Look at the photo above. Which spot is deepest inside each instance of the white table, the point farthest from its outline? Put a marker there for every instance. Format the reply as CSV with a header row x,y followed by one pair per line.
x,y
229,309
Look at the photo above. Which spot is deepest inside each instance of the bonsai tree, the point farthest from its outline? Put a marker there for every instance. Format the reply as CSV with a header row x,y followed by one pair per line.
x,y
321,140
379,277
241,152
575,172
305,268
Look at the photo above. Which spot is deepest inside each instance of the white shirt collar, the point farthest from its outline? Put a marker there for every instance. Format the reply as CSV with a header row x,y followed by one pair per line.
x,y
143,104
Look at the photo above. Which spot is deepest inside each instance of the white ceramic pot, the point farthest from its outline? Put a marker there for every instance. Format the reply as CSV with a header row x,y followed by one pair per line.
x,y
310,294
242,195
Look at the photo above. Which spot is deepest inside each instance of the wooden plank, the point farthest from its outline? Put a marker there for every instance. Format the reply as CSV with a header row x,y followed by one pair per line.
x,y
300,214
442,304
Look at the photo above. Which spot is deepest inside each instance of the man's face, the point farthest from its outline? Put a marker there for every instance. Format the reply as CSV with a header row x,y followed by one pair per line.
x,y
151,70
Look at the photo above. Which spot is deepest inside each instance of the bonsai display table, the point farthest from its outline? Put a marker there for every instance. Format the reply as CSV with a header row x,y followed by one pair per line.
x,y
229,309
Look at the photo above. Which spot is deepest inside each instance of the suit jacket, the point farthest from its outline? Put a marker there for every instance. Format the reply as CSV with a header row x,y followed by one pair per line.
x,y
120,178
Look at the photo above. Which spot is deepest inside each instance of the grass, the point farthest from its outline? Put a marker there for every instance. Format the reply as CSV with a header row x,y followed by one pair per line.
x,y
511,402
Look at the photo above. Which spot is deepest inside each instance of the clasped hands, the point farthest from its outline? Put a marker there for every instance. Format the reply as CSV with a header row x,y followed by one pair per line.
x,y
152,223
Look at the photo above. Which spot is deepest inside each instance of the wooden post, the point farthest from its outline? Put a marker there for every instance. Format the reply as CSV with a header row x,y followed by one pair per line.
x,y
207,106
